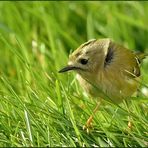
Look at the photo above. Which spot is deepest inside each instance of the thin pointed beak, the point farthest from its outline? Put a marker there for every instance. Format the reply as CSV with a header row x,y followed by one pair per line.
x,y
67,68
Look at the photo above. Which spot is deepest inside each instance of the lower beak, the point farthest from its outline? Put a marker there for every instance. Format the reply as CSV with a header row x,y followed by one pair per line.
x,y
67,68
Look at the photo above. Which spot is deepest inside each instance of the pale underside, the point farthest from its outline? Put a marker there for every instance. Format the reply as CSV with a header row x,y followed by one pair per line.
x,y
110,88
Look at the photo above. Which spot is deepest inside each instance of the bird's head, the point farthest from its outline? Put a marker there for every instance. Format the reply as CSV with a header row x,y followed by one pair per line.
x,y
89,58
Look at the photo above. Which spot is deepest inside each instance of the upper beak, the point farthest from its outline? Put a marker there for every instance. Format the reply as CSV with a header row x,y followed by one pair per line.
x,y
67,68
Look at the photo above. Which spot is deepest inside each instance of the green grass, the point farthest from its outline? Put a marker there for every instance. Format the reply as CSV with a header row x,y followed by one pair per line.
x,y
39,106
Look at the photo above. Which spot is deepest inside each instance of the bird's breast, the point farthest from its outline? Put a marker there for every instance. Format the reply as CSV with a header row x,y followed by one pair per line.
x,y
110,86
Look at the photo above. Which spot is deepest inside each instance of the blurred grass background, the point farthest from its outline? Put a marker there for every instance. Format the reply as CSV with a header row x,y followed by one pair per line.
x,y
38,106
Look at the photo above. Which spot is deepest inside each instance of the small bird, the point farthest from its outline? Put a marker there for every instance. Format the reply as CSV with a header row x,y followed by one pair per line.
x,y
106,70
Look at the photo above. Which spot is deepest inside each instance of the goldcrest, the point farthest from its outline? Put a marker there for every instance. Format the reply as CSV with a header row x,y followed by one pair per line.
x,y
106,69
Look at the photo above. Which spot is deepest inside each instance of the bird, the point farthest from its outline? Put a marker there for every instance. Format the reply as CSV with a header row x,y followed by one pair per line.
x,y
106,70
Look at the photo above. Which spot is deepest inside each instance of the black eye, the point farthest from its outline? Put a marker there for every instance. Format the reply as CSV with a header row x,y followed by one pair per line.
x,y
83,61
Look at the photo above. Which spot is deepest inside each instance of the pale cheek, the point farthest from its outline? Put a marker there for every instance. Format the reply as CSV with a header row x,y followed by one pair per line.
x,y
95,66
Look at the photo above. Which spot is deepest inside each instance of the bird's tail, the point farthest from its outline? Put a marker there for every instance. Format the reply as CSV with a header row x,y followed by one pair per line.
x,y
141,56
